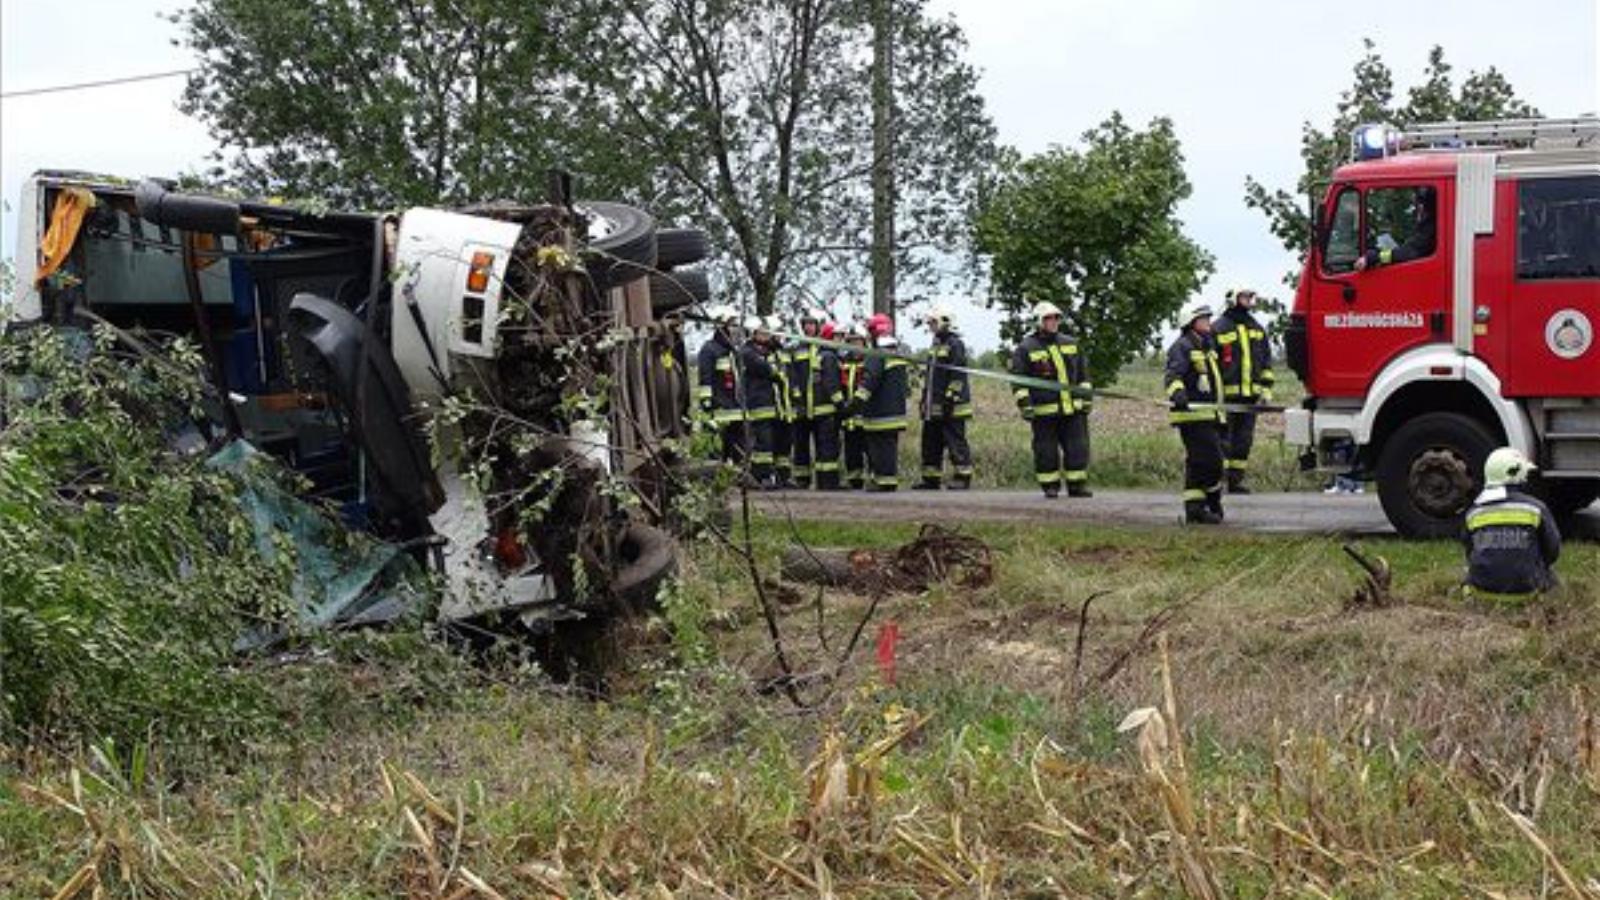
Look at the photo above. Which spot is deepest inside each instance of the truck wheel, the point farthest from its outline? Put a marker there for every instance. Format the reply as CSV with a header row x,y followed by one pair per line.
x,y
620,245
1430,471
680,247
1566,496
674,291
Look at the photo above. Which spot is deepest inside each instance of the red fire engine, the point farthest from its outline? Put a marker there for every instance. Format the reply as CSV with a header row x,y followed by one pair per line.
x,y
1449,306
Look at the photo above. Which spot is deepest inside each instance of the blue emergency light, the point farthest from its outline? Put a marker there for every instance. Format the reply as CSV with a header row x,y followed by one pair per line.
x,y
1373,141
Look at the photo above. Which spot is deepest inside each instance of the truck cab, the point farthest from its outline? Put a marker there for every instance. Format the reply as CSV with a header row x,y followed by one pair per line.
x,y
1448,306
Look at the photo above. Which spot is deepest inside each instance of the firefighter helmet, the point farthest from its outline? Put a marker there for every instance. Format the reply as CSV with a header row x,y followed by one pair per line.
x,y
879,325
1044,309
1507,465
723,314
753,324
771,324
1195,311
1238,294
856,332
939,316
827,331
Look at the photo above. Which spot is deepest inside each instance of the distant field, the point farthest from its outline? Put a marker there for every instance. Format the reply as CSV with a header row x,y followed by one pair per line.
x,y
1132,446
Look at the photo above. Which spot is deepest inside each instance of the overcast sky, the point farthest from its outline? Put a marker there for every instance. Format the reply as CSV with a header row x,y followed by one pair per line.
x,y
1237,76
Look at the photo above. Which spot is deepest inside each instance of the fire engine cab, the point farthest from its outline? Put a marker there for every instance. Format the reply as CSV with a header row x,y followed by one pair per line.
x,y
1448,306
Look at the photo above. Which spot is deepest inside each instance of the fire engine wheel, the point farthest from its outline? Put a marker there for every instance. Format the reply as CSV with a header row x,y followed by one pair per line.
x,y
1430,471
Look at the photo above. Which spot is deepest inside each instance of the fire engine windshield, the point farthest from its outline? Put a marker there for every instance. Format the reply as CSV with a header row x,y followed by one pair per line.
x,y
1558,228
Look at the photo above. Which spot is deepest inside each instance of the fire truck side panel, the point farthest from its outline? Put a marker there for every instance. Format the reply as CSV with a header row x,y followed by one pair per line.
x,y
1550,285
1359,321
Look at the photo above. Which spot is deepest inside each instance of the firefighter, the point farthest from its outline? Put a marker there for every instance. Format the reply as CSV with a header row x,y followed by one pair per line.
x,y
852,363
946,406
782,359
1417,245
1511,538
1244,354
759,378
719,392
1194,382
881,398
1060,420
816,395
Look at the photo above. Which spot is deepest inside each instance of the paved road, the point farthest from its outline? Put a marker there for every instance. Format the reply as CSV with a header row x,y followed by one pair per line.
x,y
1297,513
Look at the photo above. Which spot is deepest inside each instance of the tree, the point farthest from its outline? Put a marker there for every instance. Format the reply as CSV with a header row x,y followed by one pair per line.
x,y
746,117
753,117
1095,231
1483,95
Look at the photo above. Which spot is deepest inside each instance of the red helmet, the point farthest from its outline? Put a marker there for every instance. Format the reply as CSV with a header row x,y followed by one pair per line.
x,y
827,332
879,325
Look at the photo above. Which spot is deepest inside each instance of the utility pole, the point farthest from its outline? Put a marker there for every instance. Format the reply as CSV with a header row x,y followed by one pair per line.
x,y
883,199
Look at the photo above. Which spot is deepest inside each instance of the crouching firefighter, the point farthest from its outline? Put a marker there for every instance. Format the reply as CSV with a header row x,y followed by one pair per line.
x,y
946,406
1511,537
1060,421
1193,385
759,378
816,395
719,391
881,397
852,364
1244,356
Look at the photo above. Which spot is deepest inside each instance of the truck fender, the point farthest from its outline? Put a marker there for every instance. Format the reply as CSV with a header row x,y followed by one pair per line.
x,y
1441,362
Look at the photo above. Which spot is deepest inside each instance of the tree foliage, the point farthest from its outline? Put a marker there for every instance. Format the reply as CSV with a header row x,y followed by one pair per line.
x,y
1095,231
1371,98
747,118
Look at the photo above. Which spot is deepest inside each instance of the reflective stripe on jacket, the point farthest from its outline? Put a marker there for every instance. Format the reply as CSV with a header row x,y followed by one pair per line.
x,y
943,388
1511,540
718,388
1051,357
1192,369
760,382
814,384
1244,355
883,390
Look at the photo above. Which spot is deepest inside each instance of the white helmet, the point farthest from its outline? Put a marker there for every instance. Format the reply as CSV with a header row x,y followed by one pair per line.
x,y
723,314
1507,465
856,330
1200,310
772,324
1045,308
939,316
753,324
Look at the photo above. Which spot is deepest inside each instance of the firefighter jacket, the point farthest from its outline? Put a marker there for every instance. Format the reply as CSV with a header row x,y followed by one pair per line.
x,y
1051,357
782,359
759,378
851,369
814,386
946,393
883,389
1193,379
719,391
1512,541
1244,356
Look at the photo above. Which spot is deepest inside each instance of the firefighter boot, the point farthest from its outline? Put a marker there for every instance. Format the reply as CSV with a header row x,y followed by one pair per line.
x,y
926,484
1195,512
828,481
960,482
1214,503
1052,491
1079,489
1236,483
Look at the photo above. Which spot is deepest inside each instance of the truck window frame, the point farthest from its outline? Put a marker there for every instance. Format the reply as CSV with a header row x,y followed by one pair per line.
x,y
1341,266
1522,273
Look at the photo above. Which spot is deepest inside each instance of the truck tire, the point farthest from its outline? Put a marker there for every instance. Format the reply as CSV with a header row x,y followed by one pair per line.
x,y
1429,472
672,292
680,247
1566,496
621,243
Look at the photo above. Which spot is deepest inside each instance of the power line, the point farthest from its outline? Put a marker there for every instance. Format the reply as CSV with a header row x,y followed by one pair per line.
x,y
85,85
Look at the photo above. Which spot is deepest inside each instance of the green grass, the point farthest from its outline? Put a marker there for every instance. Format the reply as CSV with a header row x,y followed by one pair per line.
x,y
1131,444
1351,753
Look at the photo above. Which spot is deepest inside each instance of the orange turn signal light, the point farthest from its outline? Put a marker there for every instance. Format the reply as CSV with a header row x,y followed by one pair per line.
x,y
478,275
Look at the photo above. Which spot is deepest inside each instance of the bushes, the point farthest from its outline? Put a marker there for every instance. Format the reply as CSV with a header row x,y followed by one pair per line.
x,y
125,567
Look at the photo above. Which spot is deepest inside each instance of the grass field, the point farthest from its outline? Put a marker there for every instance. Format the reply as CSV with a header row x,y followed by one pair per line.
x,y
1132,446
1425,749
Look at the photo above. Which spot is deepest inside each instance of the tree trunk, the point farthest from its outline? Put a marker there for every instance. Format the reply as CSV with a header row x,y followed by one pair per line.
x,y
818,565
883,205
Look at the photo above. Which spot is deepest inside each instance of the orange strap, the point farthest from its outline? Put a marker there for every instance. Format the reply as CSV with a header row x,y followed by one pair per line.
x,y
66,219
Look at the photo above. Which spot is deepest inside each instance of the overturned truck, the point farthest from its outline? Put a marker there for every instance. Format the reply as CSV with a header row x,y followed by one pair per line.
x,y
499,388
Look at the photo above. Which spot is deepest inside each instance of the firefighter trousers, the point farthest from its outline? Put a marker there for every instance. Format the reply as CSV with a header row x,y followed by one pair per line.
x,y
782,446
1060,449
816,451
1241,438
940,436
735,442
883,459
855,457
1202,462
763,457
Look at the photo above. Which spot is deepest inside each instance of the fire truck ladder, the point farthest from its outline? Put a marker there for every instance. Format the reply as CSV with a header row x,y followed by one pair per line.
x,y
1503,131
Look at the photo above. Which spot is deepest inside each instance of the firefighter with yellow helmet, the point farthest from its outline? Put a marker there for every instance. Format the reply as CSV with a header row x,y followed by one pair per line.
x,y
1059,415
